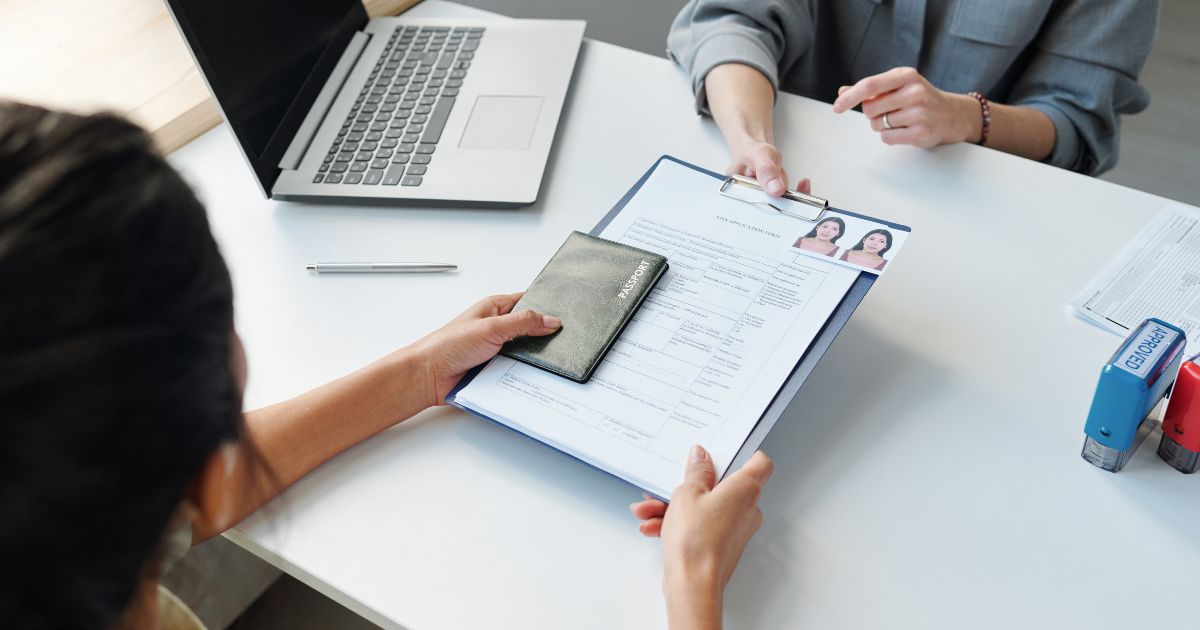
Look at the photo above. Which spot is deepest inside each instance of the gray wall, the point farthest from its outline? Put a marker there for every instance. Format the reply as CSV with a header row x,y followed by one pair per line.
x,y
638,24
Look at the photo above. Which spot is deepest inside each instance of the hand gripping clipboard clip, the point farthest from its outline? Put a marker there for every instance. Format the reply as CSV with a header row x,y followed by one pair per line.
x,y
734,183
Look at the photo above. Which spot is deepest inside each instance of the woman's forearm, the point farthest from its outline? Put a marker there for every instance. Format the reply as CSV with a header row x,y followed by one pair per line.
x,y
295,436
741,100
1022,131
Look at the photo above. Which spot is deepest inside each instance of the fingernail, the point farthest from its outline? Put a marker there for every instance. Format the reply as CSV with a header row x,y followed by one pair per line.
x,y
697,454
550,321
775,185
632,506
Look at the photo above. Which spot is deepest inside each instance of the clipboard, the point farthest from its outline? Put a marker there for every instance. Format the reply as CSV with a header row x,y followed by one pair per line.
x,y
803,368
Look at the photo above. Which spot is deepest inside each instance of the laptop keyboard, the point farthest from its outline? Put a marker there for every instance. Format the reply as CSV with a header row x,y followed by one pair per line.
x,y
391,133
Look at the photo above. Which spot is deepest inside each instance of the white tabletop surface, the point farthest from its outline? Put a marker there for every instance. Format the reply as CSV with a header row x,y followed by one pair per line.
x,y
927,476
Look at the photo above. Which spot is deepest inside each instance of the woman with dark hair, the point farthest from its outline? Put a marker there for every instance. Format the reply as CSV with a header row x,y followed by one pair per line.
x,y
870,250
121,380
823,238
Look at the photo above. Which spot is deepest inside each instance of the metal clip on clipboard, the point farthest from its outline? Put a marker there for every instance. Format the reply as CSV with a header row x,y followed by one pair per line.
x,y
734,183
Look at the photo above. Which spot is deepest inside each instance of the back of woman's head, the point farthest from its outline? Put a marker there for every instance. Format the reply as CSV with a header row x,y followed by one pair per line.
x,y
115,375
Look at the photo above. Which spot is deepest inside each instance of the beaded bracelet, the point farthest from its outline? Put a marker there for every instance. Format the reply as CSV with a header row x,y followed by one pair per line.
x,y
986,111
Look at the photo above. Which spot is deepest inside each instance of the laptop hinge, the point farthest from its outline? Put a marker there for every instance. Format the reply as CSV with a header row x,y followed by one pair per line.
x,y
312,122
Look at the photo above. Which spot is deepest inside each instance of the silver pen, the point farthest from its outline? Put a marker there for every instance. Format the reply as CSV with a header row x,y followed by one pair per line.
x,y
381,267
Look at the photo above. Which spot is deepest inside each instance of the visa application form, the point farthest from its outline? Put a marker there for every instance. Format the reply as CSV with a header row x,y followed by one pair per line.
x,y
705,354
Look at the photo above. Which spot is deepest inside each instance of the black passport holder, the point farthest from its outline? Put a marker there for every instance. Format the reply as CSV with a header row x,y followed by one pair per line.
x,y
594,286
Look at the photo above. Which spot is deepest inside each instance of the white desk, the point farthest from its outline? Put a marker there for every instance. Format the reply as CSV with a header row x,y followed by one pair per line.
x,y
928,475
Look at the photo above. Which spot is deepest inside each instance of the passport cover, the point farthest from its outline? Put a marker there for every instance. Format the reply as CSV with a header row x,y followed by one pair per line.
x,y
594,286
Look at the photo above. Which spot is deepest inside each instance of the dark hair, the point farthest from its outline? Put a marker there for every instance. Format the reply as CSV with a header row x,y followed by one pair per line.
x,y
116,382
841,229
886,234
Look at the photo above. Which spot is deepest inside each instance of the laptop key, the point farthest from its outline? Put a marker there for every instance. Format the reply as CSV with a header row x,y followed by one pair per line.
x,y
379,163
353,178
410,181
400,158
426,148
373,177
405,148
333,178
450,92
394,173
358,167
415,127
416,170
410,138
340,167
421,159
318,178
437,120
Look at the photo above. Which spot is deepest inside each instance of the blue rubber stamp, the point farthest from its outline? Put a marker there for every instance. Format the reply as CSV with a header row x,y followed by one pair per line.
x,y
1137,376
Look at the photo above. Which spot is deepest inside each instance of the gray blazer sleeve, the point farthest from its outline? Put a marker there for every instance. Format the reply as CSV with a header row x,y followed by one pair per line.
x,y
1083,75
764,34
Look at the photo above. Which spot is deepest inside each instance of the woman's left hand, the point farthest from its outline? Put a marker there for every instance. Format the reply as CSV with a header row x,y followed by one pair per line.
x,y
447,353
918,113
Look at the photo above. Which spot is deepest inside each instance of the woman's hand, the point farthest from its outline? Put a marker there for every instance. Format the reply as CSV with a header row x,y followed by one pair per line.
x,y
472,338
761,160
704,531
919,114
741,99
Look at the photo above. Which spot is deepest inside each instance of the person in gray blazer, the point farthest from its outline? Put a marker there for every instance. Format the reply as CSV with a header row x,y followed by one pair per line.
x,y
1043,79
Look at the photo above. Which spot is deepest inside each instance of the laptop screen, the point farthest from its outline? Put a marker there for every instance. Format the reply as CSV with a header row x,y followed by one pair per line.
x,y
266,60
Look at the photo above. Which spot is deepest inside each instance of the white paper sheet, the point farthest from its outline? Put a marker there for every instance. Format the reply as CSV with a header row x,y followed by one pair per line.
x,y
1156,275
704,355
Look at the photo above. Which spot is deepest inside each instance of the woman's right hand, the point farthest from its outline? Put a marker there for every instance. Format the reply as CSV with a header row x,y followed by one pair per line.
x,y
704,532
468,340
761,160
741,99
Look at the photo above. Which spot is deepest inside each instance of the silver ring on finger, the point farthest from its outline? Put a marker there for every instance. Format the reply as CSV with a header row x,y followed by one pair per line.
x,y
886,123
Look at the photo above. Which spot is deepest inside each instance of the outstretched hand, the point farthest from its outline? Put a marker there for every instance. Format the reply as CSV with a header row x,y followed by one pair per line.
x,y
917,113
704,532
761,160
474,337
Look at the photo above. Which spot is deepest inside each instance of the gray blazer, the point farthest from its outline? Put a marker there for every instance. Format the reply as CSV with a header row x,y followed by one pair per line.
x,y
1076,60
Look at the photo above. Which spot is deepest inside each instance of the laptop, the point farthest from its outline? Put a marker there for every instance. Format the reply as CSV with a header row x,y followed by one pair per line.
x,y
331,106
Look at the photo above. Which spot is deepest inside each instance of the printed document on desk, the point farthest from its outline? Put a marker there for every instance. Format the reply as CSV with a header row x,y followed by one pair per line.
x,y
1156,275
705,355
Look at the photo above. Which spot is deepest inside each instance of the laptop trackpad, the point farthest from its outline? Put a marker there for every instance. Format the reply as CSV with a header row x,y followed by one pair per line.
x,y
501,122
